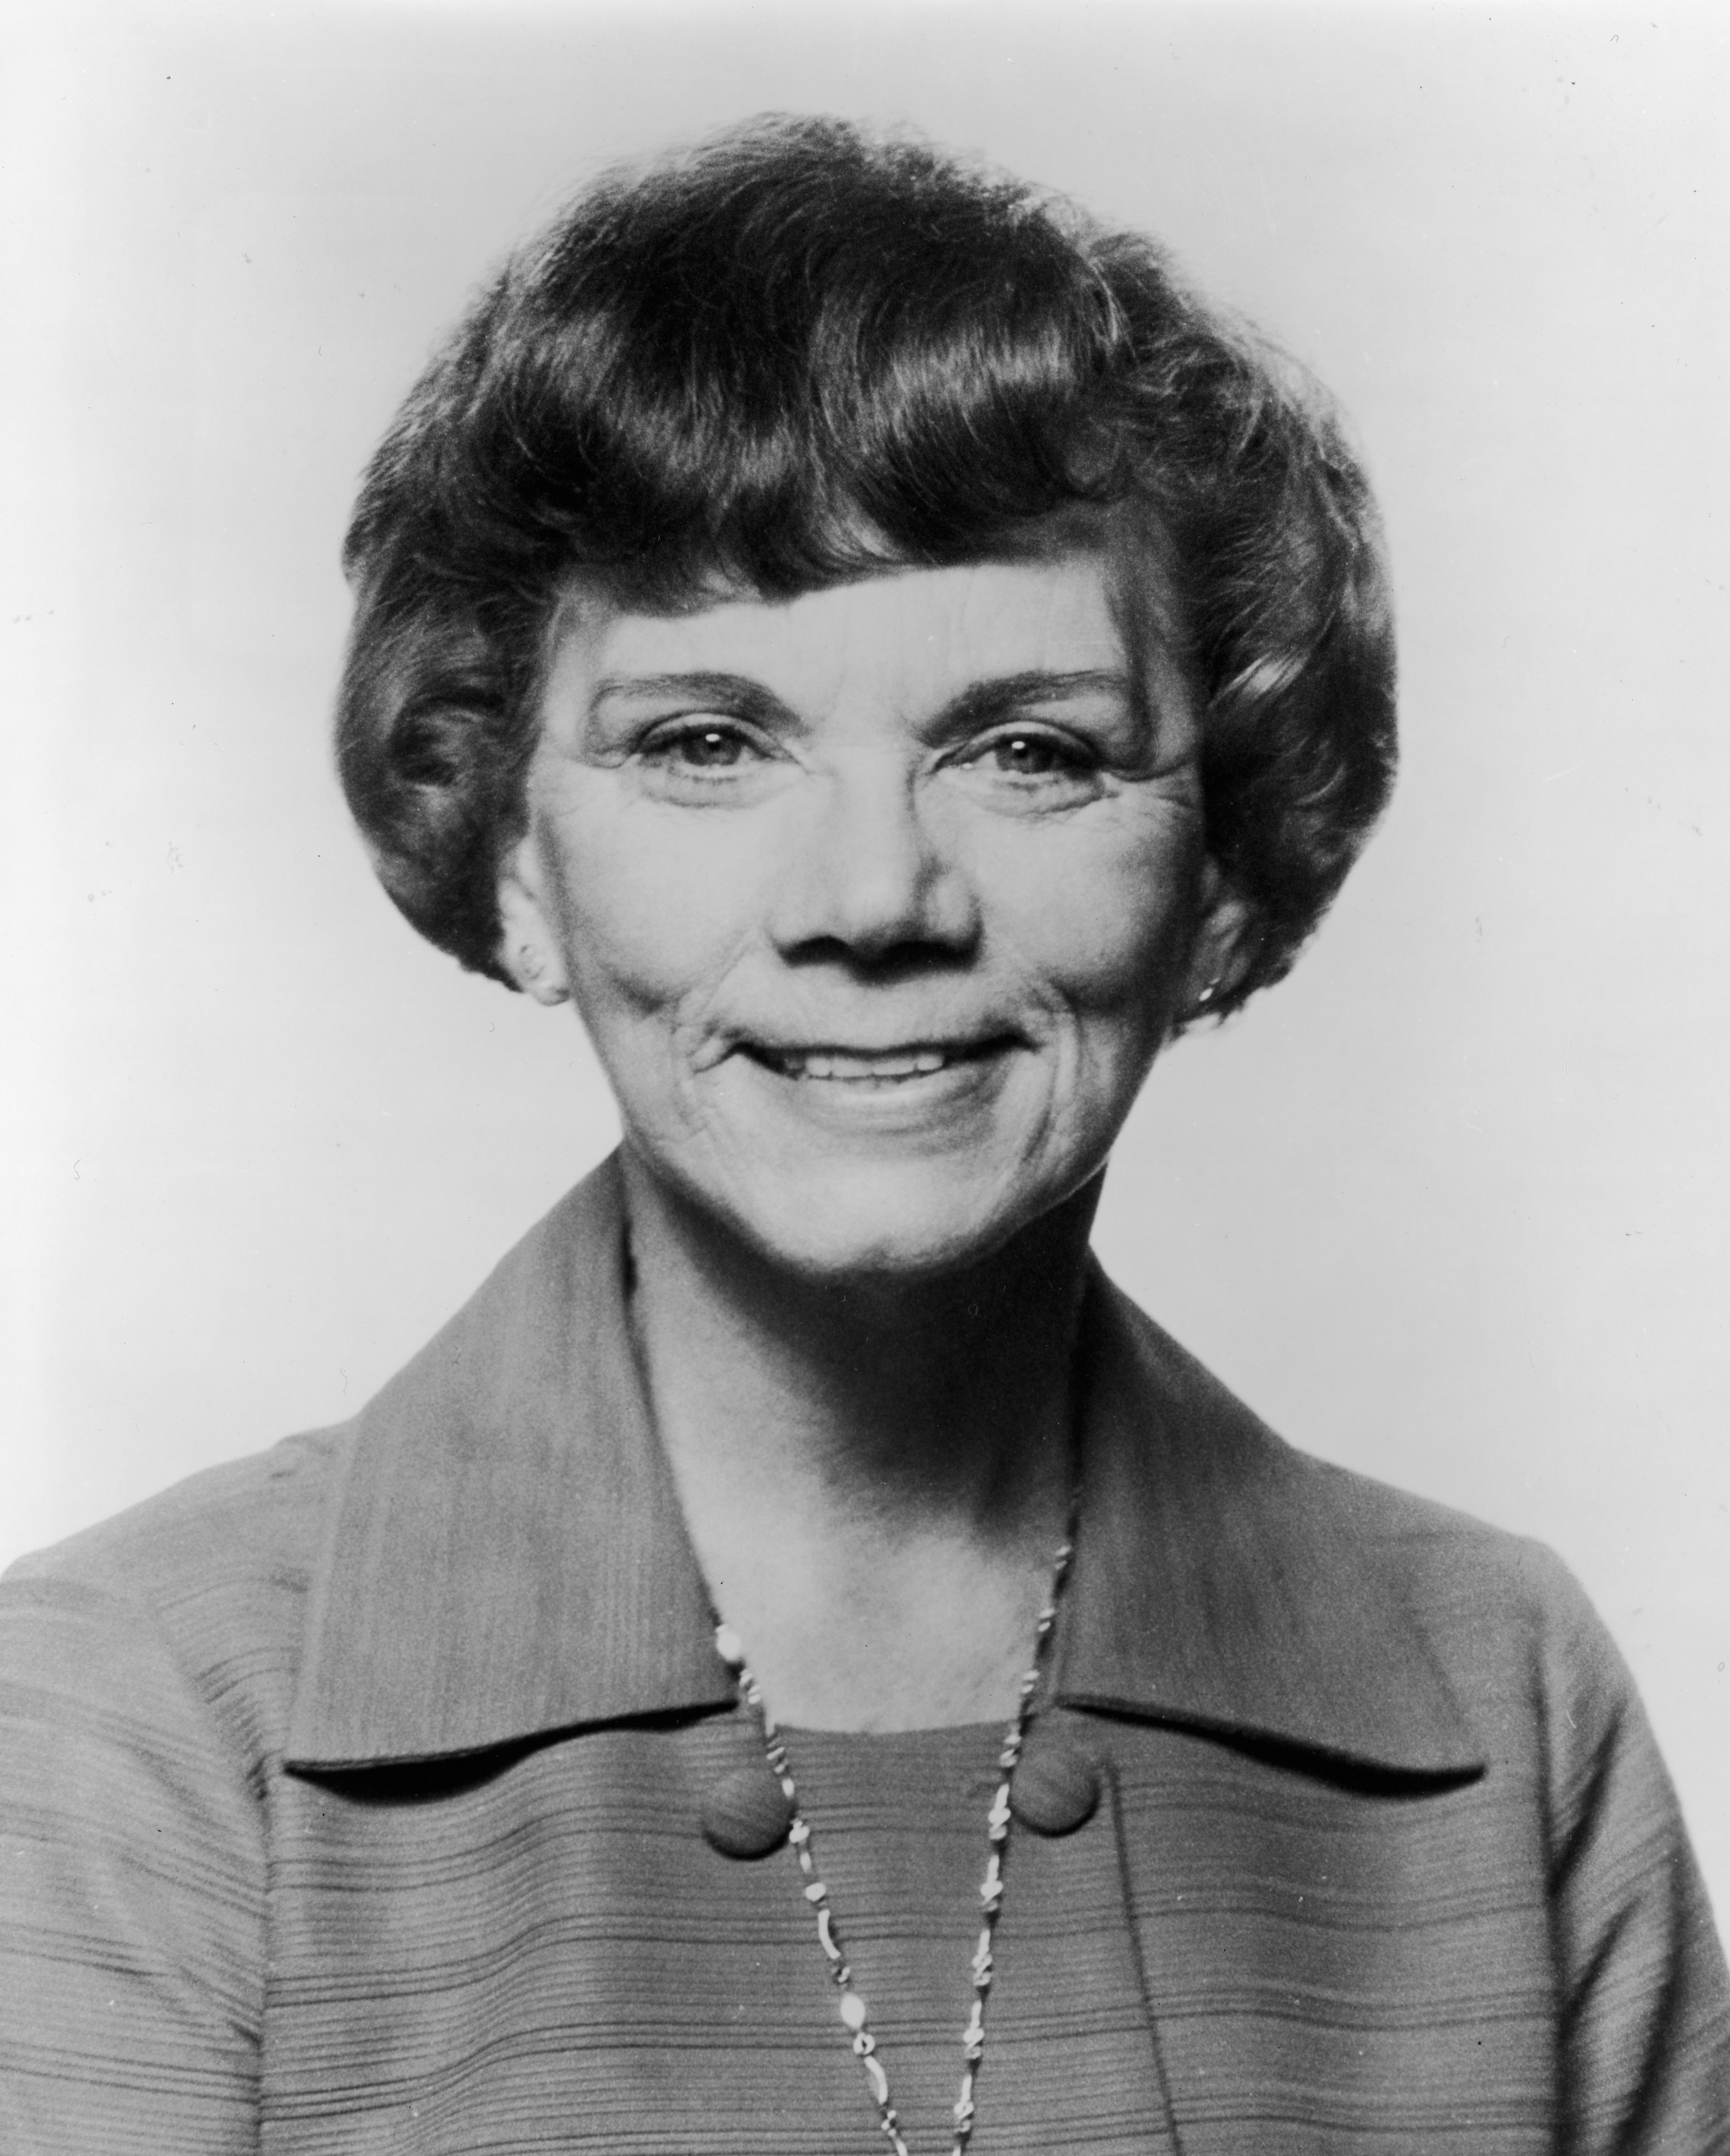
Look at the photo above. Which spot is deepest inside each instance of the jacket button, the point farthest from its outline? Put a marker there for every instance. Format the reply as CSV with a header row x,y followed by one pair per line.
x,y
747,1814
1056,1788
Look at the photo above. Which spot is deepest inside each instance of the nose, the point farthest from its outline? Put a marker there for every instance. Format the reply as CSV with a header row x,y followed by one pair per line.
x,y
873,879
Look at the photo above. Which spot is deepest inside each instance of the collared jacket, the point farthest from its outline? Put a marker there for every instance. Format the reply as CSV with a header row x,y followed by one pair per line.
x,y
379,1794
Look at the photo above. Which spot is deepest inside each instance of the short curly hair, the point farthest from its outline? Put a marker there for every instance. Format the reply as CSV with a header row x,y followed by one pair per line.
x,y
796,355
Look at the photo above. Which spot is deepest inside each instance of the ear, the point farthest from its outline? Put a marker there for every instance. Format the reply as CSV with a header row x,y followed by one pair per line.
x,y
529,947
1220,949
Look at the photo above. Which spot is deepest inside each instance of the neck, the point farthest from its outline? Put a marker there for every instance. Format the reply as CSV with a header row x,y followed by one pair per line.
x,y
874,1474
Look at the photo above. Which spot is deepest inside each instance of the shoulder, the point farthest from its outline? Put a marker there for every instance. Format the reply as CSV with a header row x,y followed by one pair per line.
x,y
201,1590
270,1502
1516,1634
1469,1578
1362,1600
197,1606
1441,1551
1401,1588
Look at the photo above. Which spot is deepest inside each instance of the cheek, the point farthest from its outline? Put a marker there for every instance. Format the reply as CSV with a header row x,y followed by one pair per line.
x,y
646,921
1105,926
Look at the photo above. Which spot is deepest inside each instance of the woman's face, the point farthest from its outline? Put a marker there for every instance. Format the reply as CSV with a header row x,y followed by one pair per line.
x,y
878,902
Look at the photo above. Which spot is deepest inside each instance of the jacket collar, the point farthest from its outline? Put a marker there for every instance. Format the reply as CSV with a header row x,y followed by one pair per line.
x,y
506,1556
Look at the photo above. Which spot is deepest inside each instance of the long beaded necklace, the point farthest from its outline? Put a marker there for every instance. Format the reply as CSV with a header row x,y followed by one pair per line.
x,y
991,1889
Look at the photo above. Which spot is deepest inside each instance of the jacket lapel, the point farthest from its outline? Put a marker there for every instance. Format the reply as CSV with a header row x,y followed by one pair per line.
x,y
1225,1582
507,1556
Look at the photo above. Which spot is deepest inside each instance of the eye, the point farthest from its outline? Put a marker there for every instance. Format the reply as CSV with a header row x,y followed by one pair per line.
x,y
1028,767
1030,756
707,758
703,748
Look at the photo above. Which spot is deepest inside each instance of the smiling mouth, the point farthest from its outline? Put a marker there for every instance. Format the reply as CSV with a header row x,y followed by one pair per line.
x,y
892,1066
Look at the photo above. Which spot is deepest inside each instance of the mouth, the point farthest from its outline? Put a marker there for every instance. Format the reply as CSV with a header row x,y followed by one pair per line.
x,y
872,1068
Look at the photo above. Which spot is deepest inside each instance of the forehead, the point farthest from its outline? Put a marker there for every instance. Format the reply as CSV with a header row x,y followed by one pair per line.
x,y
919,632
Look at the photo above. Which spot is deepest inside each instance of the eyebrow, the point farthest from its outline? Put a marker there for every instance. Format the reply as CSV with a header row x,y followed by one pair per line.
x,y
978,703
728,692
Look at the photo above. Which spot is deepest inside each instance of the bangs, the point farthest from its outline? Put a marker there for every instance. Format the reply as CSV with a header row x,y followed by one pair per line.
x,y
781,391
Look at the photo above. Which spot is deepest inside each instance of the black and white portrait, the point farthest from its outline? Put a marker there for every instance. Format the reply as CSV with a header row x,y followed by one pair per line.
x,y
867,880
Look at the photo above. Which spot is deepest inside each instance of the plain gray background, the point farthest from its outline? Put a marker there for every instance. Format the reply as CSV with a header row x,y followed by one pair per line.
x,y
1449,1206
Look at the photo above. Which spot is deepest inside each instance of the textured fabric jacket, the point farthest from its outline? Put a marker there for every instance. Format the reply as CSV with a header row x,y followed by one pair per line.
x,y
362,1797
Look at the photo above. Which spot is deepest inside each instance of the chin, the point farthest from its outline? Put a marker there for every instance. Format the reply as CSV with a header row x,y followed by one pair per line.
x,y
886,1222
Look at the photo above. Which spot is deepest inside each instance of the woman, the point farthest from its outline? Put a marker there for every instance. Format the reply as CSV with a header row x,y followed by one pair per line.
x,y
799,1658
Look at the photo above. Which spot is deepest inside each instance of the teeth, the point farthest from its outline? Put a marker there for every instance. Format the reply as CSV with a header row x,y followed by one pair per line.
x,y
905,1062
